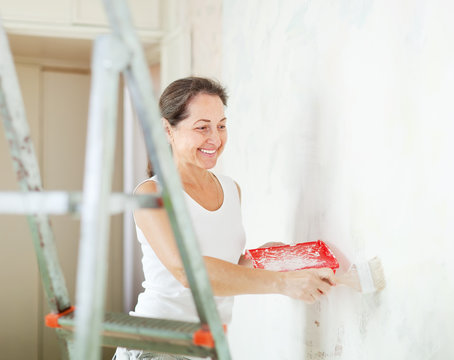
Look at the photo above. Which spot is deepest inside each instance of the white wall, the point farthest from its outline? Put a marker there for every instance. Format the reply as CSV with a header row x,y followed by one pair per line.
x,y
341,126
206,37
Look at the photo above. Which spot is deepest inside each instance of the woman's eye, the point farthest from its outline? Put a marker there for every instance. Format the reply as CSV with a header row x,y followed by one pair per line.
x,y
222,127
202,128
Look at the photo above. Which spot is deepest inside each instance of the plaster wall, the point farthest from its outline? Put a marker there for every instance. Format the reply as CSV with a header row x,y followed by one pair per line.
x,y
340,129
206,37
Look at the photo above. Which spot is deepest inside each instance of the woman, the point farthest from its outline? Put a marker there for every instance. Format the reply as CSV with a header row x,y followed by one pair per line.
x,y
192,111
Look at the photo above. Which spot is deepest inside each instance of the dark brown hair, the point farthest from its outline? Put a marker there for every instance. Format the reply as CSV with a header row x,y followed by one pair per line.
x,y
175,99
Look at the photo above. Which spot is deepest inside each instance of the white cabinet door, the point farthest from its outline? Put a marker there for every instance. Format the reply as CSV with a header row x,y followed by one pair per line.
x,y
65,101
74,18
52,11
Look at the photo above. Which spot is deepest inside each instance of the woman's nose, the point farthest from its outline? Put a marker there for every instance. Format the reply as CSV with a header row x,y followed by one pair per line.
x,y
215,138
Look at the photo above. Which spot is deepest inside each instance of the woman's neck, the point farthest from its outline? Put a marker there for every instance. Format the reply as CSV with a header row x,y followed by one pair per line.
x,y
193,175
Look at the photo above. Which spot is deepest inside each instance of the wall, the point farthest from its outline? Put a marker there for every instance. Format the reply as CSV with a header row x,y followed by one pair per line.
x,y
206,37
340,126
192,44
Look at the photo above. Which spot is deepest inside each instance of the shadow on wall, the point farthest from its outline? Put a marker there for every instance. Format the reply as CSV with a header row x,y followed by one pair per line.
x,y
322,213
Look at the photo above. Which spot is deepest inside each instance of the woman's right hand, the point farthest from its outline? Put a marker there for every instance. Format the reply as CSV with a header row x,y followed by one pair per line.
x,y
307,285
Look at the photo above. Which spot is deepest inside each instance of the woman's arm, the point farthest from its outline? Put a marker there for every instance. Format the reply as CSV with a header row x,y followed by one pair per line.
x,y
228,279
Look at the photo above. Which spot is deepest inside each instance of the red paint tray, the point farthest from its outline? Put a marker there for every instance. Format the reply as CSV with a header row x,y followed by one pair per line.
x,y
307,255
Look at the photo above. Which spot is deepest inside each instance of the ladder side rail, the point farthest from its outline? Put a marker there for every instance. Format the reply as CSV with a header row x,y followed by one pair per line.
x,y
109,57
26,166
63,202
137,77
66,346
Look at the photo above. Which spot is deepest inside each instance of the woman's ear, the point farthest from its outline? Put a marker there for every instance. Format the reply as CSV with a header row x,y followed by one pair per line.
x,y
167,129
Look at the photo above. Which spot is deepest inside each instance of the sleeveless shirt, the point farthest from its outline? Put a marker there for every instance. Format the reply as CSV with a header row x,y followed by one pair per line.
x,y
220,234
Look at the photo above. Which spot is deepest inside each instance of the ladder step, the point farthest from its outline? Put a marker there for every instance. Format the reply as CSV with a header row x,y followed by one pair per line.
x,y
60,202
156,335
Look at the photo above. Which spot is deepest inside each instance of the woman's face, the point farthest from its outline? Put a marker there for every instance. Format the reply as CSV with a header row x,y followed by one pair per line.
x,y
200,138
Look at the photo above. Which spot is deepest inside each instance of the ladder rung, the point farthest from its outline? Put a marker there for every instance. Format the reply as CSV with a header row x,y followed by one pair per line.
x,y
61,202
149,334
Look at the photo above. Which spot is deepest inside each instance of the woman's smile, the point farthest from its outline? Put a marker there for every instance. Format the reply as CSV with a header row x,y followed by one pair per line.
x,y
208,152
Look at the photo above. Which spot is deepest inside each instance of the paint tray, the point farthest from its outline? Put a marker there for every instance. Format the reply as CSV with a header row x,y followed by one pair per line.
x,y
315,254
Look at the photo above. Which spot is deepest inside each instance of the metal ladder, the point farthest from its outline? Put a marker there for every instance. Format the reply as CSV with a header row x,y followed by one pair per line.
x,y
82,331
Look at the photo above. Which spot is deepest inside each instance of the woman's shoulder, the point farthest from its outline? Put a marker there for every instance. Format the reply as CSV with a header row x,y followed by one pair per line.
x,y
225,179
147,186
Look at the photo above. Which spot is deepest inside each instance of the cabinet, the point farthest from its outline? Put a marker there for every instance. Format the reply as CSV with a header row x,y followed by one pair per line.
x,y
145,13
76,18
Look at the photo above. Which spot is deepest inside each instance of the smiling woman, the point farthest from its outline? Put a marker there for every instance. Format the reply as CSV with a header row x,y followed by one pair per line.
x,y
200,139
176,104
192,112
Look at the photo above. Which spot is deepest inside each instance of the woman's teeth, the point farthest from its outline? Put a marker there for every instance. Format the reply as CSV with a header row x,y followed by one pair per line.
x,y
210,152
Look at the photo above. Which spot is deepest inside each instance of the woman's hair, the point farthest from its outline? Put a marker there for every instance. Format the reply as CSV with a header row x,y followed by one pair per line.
x,y
175,99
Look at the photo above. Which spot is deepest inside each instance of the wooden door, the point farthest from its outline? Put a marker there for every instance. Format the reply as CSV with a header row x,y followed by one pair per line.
x,y
57,107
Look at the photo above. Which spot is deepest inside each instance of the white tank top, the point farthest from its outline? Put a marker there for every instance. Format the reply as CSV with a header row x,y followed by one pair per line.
x,y
220,234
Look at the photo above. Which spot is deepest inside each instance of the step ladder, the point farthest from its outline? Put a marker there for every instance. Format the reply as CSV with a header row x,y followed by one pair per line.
x,y
83,329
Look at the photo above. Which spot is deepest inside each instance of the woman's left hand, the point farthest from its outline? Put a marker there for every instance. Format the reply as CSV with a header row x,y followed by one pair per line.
x,y
244,261
271,244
